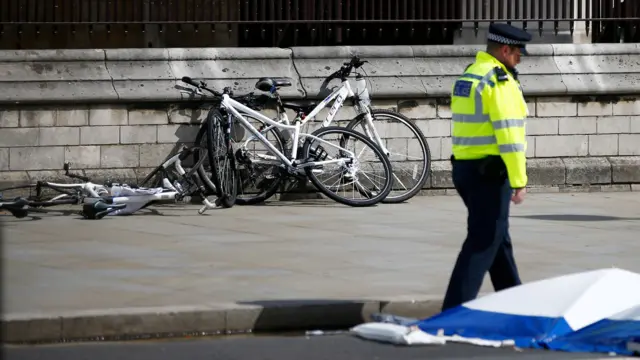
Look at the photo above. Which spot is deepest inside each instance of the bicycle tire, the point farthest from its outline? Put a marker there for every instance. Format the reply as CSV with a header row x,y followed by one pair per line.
x,y
378,197
225,178
272,186
424,176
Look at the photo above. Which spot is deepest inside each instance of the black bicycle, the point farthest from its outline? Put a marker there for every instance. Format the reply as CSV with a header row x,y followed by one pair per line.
x,y
217,132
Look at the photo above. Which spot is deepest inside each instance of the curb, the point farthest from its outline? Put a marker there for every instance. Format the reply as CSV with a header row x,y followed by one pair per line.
x,y
175,321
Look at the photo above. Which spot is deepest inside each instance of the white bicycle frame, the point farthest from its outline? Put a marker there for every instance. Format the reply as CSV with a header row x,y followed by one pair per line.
x,y
234,107
177,163
339,95
88,189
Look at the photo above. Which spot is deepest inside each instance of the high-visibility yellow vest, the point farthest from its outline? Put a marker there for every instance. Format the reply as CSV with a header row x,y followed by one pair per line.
x,y
488,113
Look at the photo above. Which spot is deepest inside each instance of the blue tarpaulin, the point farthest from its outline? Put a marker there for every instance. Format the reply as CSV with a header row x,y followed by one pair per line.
x,y
595,311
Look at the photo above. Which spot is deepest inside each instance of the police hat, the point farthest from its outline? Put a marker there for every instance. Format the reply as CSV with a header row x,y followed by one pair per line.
x,y
509,35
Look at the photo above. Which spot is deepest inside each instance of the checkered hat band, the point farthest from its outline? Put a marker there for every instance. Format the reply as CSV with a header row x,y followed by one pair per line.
x,y
503,40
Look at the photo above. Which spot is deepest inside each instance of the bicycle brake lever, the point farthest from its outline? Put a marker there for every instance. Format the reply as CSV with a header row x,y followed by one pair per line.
x,y
199,92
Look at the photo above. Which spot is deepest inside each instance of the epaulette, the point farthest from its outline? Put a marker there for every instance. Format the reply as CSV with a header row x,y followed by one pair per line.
x,y
501,74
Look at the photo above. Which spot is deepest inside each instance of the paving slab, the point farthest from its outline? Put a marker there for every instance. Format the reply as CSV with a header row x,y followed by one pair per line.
x,y
250,267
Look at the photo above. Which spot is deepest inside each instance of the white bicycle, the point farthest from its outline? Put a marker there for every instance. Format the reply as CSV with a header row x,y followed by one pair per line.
x,y
350,177
410,171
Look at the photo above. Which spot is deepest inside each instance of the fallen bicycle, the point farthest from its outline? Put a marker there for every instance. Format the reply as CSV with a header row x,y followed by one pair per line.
x,y
117,199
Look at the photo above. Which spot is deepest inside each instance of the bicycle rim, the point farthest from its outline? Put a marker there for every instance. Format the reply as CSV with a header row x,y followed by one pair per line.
x,y
222,158
410,172
356,175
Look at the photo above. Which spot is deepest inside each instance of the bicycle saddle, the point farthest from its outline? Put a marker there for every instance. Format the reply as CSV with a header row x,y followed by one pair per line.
x,y
304,106
99,209
15,207
270,84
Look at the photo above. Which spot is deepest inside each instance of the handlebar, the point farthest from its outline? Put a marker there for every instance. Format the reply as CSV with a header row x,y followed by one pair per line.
x,y
250,100
73,176
346,68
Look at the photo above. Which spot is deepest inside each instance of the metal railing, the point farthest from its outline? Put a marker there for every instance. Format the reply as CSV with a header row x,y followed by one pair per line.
x,y
175,23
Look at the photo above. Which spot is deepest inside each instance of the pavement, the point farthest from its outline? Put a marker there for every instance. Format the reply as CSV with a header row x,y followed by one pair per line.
x,y
280,266
339,347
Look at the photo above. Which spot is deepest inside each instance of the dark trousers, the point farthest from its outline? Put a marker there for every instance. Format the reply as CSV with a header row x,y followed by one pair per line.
x,y
488,245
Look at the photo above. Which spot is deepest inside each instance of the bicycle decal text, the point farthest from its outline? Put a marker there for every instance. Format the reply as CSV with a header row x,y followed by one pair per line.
x,y
336,105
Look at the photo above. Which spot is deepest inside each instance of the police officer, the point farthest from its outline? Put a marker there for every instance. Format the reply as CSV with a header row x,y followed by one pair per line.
x,y
488,162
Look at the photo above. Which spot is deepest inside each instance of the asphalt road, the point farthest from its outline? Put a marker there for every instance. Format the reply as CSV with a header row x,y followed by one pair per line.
x,y
334,347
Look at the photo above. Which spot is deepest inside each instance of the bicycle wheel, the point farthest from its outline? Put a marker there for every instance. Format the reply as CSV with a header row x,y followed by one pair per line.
x,y
350,172
410,173
36,192
259,170
222,158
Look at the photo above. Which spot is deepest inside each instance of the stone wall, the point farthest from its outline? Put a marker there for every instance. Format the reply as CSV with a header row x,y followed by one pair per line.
x,y
118,113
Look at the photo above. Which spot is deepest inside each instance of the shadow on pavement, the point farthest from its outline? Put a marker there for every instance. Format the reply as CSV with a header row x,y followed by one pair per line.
x,y
574,217
311,314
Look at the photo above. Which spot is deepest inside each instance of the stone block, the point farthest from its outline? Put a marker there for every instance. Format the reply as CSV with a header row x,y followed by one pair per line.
x,y
435,148
434,127
141,134
36,158
188,116
397,148
119,156
627,107
152,155
441,174
386,104
72,117
444,111
19,137
13,178
629,144
446,148
625,169
562,145
177,133
613,124
576,125
635,125
38,117
587,171
99,135
122,176
108,115
148,117
417,109
603,145
531,107
4,159
9,118
555,107
60,135
546,172
56,176
531,146
595,109
82,157
542,126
